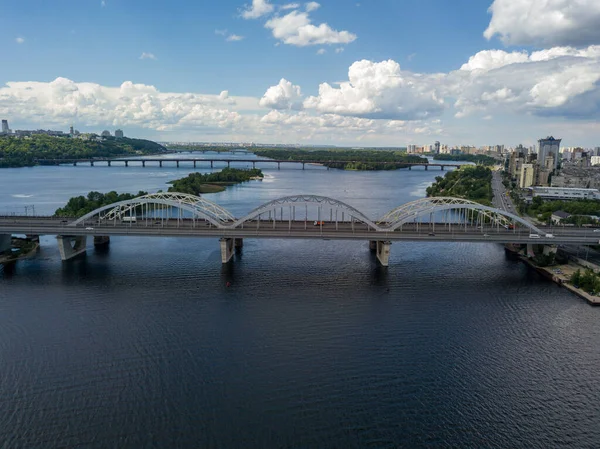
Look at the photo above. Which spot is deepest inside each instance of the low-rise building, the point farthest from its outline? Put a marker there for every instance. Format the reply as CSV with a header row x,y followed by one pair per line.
x,y
561,193
559,216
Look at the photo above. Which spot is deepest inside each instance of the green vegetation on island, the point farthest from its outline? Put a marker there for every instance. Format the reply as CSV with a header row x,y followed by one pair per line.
x,y
28,151
480,159
470,182
197,183
80,205
345,159
194,184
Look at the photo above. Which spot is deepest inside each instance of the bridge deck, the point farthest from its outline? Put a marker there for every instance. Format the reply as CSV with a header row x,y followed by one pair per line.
x,y
296,230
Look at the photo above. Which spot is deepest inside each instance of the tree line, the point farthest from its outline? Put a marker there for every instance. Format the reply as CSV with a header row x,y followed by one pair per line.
x,y
470,182
28,151
345,159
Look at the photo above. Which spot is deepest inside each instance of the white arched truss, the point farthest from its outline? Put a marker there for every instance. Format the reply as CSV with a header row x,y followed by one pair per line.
x,y
343,211
410,212
199,208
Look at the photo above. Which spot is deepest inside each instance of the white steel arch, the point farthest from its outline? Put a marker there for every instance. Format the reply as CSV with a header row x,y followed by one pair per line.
x,y
295,200
411,211
197,206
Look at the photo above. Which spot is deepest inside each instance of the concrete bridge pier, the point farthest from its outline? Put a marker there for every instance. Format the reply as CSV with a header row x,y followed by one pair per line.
x,y
5,242
442,167
143,163
383,252
426,168
101,240
71,246
177,164
303,165
91,163
75,164
211,164
253,164
410,167
227,249
126,163
109,163
278,165
238,243
160,164
194,164
373,245
228,164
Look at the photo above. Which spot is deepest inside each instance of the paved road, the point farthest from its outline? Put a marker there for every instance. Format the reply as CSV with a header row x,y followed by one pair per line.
x,y
501,199
297,230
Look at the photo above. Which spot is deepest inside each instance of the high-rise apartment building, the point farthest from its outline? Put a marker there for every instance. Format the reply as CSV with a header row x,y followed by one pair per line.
x,y
436,148
527,176
119,133
5,127
549,146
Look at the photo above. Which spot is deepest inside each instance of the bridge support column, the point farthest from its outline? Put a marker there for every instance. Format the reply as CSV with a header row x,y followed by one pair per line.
x,y
410,167
143,163
442,167
109,163
194,164
5,242
91,163
226,249
303,165
211,164
126,163
278,165
228,164
177,164
101,240
239,243
426,168
160,164
71,246
373,245
253,164
383,252
75,164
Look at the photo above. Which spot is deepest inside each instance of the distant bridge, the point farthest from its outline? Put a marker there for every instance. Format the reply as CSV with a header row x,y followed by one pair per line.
x,y
153,162
295,217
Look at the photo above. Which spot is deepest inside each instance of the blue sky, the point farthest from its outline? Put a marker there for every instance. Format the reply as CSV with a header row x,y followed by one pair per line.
x,y
269,71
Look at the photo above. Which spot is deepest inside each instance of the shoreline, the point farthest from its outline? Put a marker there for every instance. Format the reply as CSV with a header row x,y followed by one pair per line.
x,y
561,281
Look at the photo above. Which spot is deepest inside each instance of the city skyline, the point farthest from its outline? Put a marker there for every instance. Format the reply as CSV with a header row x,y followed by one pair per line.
x,y
309,73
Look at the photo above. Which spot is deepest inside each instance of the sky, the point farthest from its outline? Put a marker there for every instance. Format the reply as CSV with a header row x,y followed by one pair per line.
x,y
342,72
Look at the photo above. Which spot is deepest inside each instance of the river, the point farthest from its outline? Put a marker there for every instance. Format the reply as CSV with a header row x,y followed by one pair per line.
x,y
296,344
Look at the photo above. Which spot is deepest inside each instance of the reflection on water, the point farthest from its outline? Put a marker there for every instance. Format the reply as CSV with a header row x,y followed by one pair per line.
x,y
154,343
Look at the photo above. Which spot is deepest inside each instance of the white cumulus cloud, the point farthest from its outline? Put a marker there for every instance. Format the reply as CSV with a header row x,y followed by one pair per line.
x,y
311,6
234,38
296,28
545,22
19,40
257,9
380,90
284,95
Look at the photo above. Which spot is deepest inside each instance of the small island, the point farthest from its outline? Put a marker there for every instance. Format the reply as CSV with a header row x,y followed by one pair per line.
x,y
197,183
193,184
345,159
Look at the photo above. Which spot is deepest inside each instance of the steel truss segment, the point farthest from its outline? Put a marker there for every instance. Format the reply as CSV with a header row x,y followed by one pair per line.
x,y
308,200
419,208
197,206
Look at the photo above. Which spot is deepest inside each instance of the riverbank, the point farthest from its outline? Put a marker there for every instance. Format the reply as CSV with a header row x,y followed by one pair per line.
x,y
20,249
560,274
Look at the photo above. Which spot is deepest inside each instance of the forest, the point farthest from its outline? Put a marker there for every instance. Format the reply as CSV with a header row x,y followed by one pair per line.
x,y
470,182
28,151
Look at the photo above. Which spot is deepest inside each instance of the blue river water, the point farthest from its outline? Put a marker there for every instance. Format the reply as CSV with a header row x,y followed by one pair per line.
x,y
296,344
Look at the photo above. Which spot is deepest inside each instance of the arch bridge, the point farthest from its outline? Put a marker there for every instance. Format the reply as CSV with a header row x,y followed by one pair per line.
x,y
297,216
